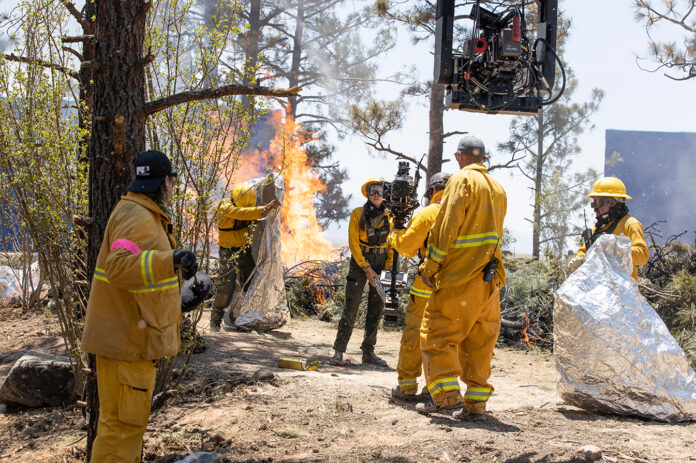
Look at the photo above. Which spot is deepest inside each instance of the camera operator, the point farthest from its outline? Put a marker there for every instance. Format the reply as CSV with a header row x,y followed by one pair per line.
x,y
134,307
408,242
368,230
462,319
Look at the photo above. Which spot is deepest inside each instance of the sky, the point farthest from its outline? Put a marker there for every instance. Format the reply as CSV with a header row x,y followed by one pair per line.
x,y
602,48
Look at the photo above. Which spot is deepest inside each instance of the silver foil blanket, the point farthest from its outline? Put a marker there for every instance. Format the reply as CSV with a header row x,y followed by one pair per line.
x,y
264,306
613,352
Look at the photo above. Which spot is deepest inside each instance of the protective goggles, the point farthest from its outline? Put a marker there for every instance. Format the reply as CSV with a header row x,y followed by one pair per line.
x,y
600,201
374,189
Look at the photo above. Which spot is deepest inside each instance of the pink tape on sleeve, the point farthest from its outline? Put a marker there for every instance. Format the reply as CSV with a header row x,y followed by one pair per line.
x,y
128,245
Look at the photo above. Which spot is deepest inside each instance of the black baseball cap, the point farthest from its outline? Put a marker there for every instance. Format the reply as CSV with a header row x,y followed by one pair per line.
x,y
471,145
151,167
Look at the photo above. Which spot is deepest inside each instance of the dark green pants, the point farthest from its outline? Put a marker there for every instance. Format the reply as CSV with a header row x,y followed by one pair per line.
x,y
355,283
234,262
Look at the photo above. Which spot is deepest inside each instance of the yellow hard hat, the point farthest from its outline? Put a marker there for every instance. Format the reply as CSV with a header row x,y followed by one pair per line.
x,y
609,186
243,195
376,179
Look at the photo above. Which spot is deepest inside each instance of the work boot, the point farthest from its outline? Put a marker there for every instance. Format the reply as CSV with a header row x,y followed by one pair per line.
x,y
370,357
398,395
431,407
336,359
463,415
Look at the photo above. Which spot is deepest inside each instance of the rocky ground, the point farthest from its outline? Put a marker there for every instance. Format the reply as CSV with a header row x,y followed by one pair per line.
x,y
334,414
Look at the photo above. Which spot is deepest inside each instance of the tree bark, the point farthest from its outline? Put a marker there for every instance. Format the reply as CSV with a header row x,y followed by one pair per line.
x,y
437,108
119,90
251,50
538,177
90,393
294,75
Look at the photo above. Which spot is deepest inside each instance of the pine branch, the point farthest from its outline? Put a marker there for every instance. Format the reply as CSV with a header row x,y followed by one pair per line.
x,y
217,92
79,17
21,59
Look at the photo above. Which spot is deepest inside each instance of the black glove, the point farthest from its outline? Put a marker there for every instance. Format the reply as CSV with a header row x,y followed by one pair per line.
x,y
195,291
185,260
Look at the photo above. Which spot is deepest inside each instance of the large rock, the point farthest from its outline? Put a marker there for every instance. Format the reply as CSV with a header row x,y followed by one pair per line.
x,y
39,379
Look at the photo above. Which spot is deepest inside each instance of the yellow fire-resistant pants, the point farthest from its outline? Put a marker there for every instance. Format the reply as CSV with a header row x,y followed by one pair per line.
x,y
460,327
125,393
410,356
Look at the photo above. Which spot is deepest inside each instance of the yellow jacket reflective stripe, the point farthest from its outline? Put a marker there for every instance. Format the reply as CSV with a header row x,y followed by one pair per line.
x,y
631,227
467,241
146,269
463,237
408,382
420,290
355,235
443,385
100,275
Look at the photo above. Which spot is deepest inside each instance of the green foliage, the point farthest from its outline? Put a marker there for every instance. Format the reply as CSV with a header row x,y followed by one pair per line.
x,y
529,292
668,282
43,178
203,138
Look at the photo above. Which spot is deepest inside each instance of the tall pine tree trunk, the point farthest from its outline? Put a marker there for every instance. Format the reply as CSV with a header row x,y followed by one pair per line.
x,y
251,51
437,108
538,178
118,126
294,76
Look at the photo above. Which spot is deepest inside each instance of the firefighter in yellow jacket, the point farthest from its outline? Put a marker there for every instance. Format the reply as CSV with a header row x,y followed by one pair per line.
x,y
609,203
408,242
134,307
368,231
465,269
235,257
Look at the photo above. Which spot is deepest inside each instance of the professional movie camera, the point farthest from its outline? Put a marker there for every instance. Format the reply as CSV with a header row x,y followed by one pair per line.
x,y
401,198
498,68
401,195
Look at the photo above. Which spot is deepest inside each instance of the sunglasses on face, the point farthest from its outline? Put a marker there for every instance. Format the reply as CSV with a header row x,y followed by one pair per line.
x,y
375,190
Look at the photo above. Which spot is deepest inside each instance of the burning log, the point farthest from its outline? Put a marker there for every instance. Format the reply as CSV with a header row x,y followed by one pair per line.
x,y
312,286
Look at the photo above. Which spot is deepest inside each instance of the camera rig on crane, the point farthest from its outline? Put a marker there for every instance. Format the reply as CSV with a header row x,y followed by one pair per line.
x,y
498,68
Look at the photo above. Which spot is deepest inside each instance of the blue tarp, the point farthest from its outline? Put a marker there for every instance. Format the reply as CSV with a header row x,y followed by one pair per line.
x,y
659,170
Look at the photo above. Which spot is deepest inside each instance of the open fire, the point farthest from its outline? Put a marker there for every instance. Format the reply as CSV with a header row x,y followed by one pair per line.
x,y
302,238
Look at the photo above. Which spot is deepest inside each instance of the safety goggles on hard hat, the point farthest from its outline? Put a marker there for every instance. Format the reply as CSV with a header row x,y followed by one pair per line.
x,y
601,201
375,188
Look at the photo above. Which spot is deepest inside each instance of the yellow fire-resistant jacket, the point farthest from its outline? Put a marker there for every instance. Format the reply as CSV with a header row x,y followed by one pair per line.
x,y
467,227
631,227
358,238
228,214
134,306
412,239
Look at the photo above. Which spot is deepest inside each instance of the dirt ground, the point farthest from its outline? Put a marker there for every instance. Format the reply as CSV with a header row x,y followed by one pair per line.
x,y
334,414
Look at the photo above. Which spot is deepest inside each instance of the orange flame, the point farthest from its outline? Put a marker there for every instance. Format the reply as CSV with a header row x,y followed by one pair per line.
x,y
302,238
529,342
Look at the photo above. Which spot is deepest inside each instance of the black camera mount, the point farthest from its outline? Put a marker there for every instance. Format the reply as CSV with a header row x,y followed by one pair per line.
x,y
498,69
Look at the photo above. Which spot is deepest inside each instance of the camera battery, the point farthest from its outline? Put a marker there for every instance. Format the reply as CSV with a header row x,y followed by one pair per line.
x,y
507,47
